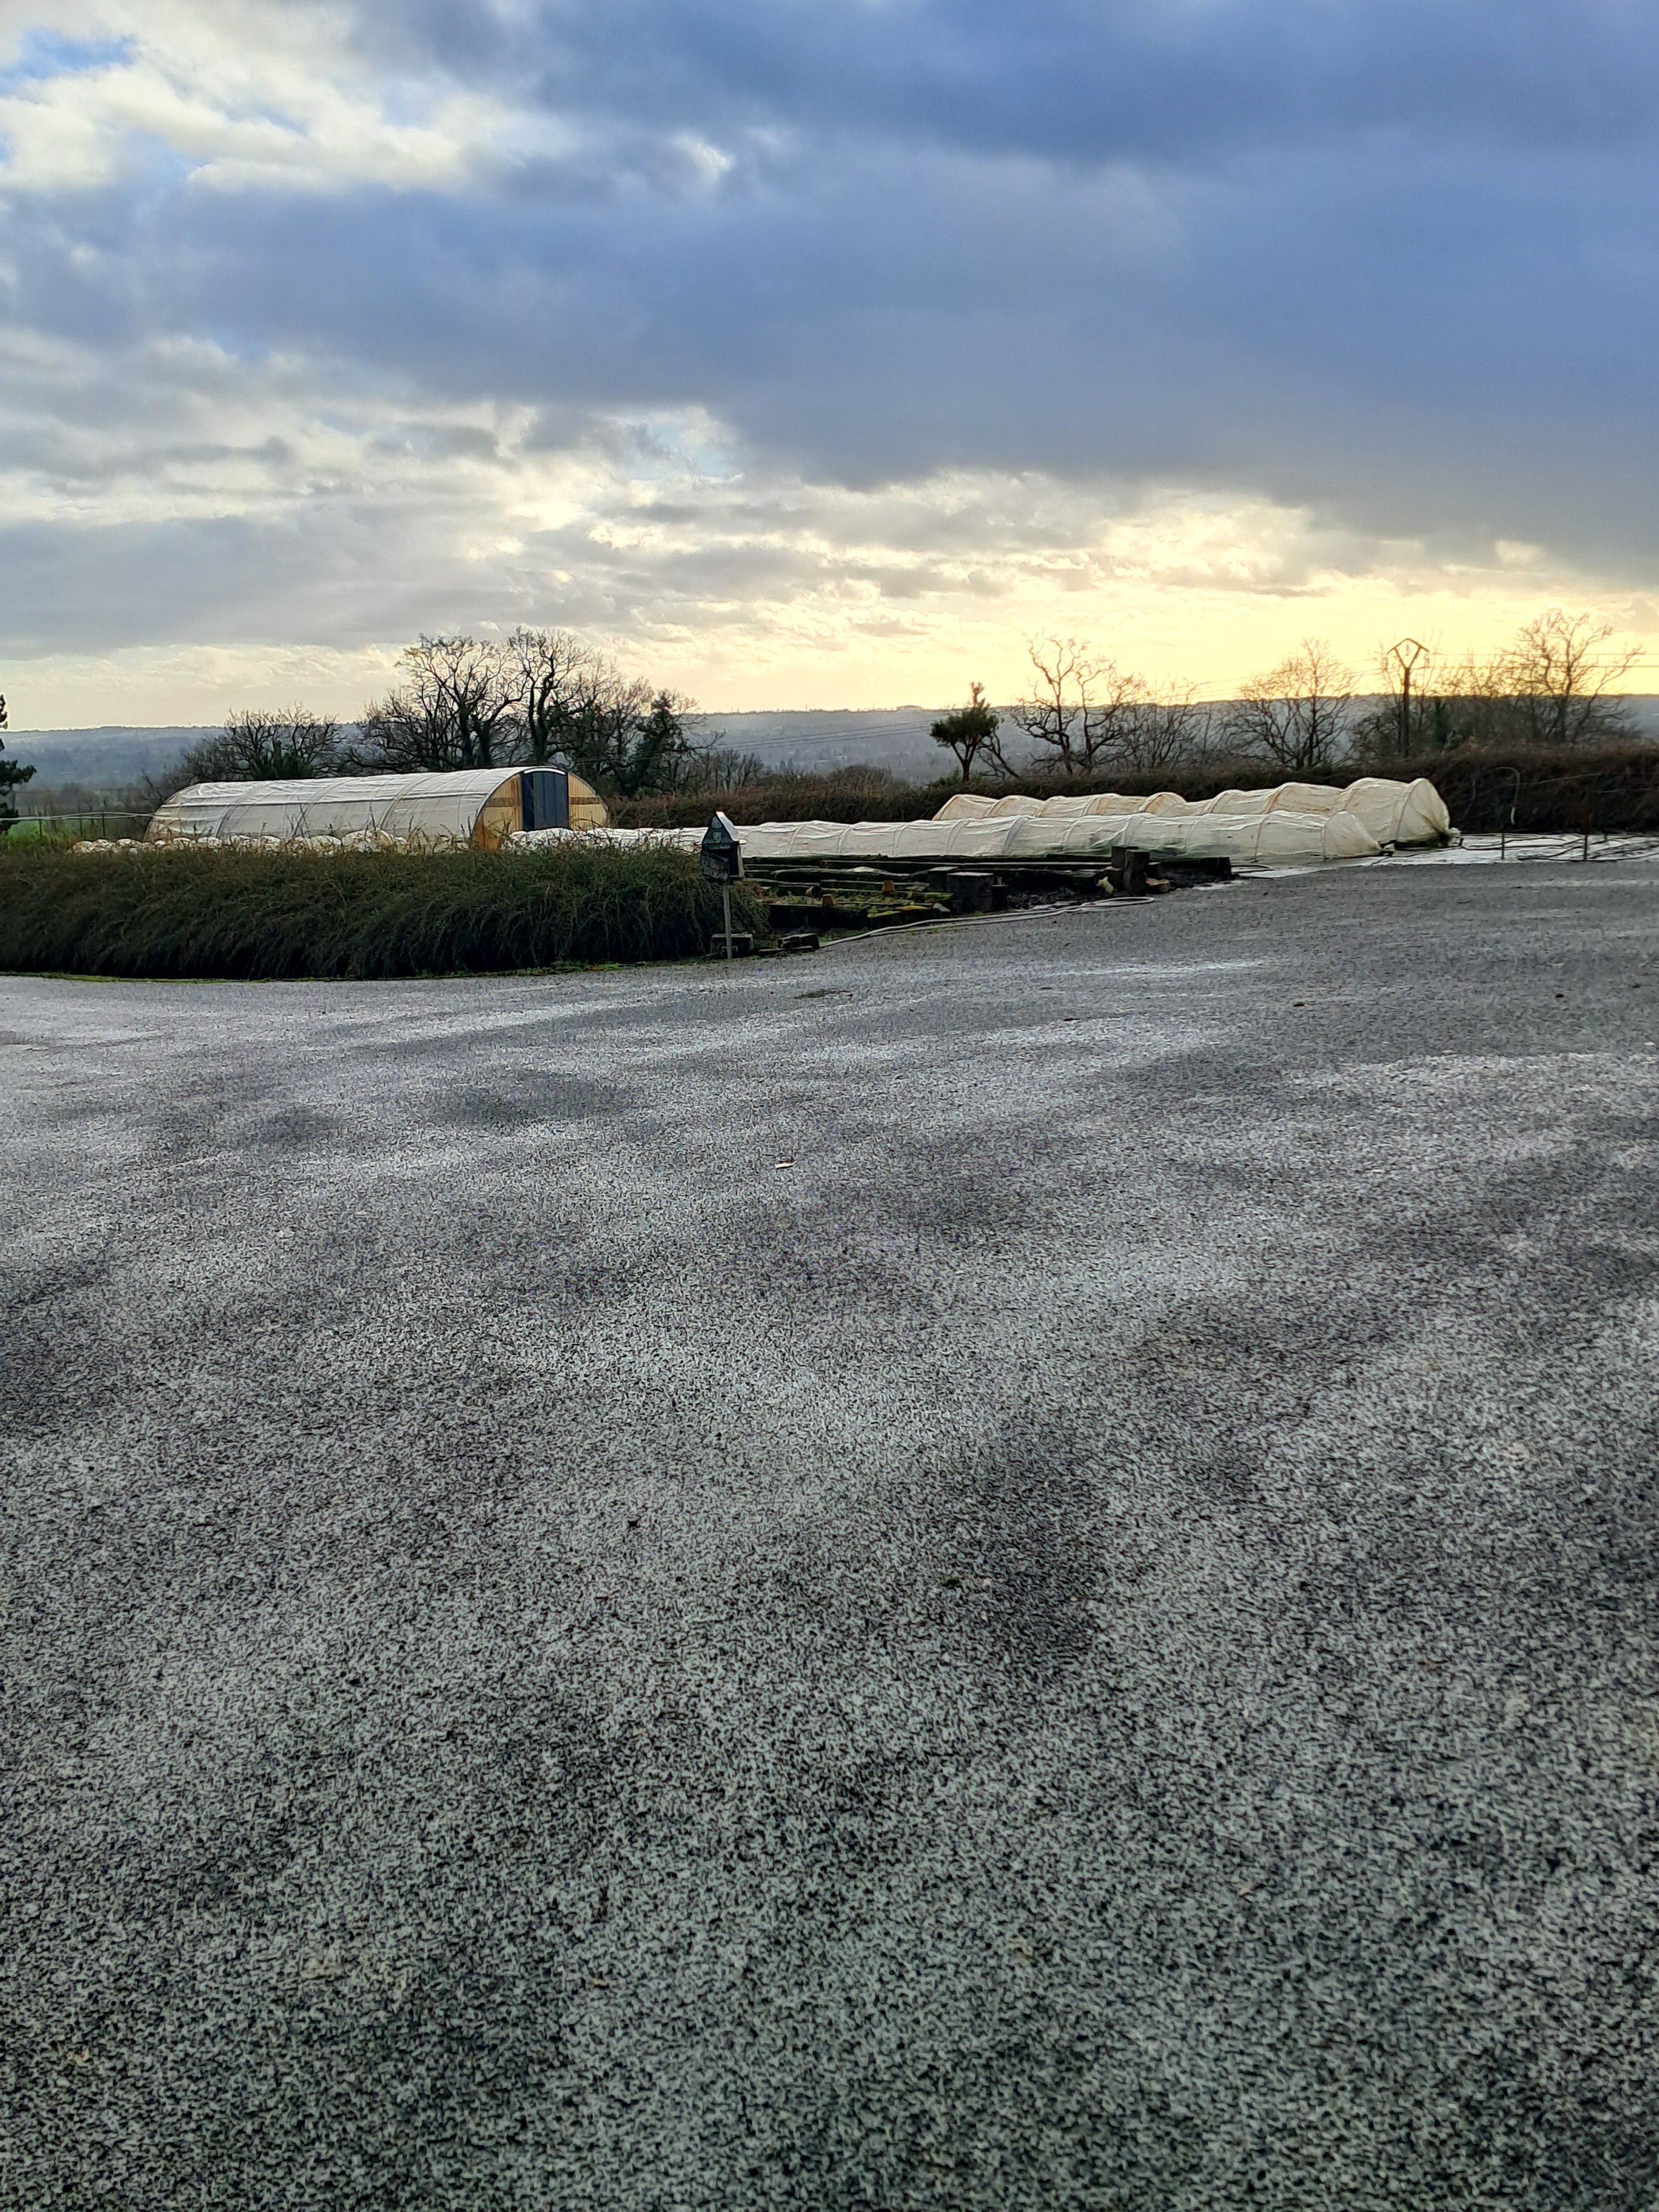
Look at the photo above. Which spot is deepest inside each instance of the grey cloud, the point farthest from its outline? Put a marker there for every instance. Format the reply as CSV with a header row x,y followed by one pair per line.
x,y
1390,262
1416,352
356,574
332,574
1067,80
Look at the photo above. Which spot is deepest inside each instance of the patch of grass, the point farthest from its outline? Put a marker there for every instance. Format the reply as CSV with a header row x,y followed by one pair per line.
x,y
33,829
230,912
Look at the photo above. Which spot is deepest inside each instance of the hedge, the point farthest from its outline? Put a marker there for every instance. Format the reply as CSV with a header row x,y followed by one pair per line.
x,y
230,911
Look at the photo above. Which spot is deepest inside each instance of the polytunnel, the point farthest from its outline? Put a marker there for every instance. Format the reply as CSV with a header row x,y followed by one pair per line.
x,y
1289,826
1278,839
1254,840
466,807
1389,812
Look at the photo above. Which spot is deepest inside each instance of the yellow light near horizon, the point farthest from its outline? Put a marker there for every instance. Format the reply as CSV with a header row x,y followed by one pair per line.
x,y
820,649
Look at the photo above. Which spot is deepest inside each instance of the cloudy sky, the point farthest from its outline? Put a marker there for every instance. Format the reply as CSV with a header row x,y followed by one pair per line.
x,y
813,352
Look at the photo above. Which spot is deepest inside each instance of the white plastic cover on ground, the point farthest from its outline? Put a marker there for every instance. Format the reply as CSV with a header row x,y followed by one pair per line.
x,y
879,840
1282,839
1286,797
1391,812
402,809
1287,825
1275,840
1399,813
970,806
1492,849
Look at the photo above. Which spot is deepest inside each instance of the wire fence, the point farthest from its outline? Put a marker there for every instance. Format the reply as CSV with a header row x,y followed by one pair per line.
x,y
85,822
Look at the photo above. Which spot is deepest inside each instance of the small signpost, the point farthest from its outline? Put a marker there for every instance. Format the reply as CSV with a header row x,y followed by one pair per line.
x,y
721,857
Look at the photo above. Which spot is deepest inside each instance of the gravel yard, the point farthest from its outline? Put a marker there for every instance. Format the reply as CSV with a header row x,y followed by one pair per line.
x,y
1010,1566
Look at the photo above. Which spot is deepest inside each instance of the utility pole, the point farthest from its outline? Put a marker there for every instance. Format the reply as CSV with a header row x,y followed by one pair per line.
x,y
1406,655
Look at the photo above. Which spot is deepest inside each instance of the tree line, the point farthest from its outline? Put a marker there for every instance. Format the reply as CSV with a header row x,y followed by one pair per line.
x,y
545,696
537,697
1084,716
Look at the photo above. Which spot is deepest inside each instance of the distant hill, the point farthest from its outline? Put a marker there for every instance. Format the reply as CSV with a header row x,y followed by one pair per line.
x,y
819,739
895,737
107,759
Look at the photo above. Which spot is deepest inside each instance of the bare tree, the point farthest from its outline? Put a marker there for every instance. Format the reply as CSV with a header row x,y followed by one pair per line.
x,y
553,673
1054,716
399,734
626,737
1552,685
718,767
969,732
1081,709
1159,735
541,695
1472,704
1296,716
260,745
606,710
1560,678
457,708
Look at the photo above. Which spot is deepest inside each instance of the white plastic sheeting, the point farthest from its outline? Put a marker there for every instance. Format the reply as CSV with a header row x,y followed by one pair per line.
x,y
1266,840
1282,798
1399,813
1291,825
1276,840
464,806
1279,839
973,807
1391,812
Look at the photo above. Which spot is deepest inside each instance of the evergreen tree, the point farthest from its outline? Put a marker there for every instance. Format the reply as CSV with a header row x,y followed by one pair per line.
x,y
12,772
971,731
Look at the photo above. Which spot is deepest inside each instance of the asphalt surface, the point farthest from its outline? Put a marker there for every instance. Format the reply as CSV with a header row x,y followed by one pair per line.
x,y
1010,1566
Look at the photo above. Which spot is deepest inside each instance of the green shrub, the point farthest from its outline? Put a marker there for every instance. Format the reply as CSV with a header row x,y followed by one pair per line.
x,y
227,911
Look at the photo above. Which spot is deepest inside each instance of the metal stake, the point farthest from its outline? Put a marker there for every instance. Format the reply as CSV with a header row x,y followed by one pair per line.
x,y
726,894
